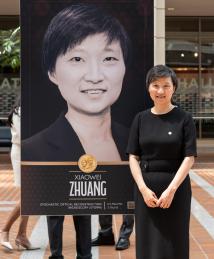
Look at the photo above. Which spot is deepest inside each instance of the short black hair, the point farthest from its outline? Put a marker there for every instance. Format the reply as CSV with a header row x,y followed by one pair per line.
x,y
74,24
160,71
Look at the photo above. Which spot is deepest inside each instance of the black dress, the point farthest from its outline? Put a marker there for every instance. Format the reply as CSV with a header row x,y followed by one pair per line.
x,y
162,142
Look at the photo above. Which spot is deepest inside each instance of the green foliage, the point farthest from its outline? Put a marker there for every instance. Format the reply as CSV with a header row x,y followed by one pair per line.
x,y
10,48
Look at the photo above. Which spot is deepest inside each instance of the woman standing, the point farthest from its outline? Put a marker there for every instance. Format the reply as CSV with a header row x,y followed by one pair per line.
x,y
21,239
163,139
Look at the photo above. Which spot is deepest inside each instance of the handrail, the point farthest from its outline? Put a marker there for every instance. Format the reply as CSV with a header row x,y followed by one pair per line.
x,y
202,117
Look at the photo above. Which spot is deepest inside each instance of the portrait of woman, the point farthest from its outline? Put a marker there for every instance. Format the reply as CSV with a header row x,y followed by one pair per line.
x,y
85,55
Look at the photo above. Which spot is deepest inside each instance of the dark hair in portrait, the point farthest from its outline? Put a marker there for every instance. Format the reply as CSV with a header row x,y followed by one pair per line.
x,y
74,24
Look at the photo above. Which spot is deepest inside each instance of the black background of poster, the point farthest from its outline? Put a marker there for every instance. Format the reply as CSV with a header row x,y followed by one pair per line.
x,y
40,188
41,102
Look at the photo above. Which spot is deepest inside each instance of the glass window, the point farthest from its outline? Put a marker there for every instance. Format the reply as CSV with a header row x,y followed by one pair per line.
x,y
182,52
190,52
181,24
207,24
8,22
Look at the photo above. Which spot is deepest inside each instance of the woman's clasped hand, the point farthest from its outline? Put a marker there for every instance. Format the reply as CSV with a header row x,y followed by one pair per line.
x,y
152,201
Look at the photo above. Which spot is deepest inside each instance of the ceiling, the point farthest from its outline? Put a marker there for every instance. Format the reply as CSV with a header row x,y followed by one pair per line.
x,y
190,7
9,7
181,7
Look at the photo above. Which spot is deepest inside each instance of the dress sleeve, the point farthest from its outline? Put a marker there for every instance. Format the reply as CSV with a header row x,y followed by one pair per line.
x,y
190,148
133,146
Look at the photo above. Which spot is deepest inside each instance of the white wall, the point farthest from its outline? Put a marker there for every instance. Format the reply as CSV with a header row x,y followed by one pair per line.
x,y
159,32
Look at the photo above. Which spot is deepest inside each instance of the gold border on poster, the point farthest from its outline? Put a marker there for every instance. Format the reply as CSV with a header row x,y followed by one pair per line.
x,y
48,163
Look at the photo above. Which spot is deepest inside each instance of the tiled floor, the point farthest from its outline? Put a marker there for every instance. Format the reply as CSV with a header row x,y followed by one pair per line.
x,y
201,230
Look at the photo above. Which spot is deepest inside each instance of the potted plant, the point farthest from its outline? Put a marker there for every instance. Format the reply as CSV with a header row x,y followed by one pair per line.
x,y
10,49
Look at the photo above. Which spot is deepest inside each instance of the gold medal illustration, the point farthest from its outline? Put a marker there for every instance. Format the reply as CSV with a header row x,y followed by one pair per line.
x,y
87,163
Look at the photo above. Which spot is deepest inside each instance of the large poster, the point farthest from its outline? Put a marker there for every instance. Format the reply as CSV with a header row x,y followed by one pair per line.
x,y
83,76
